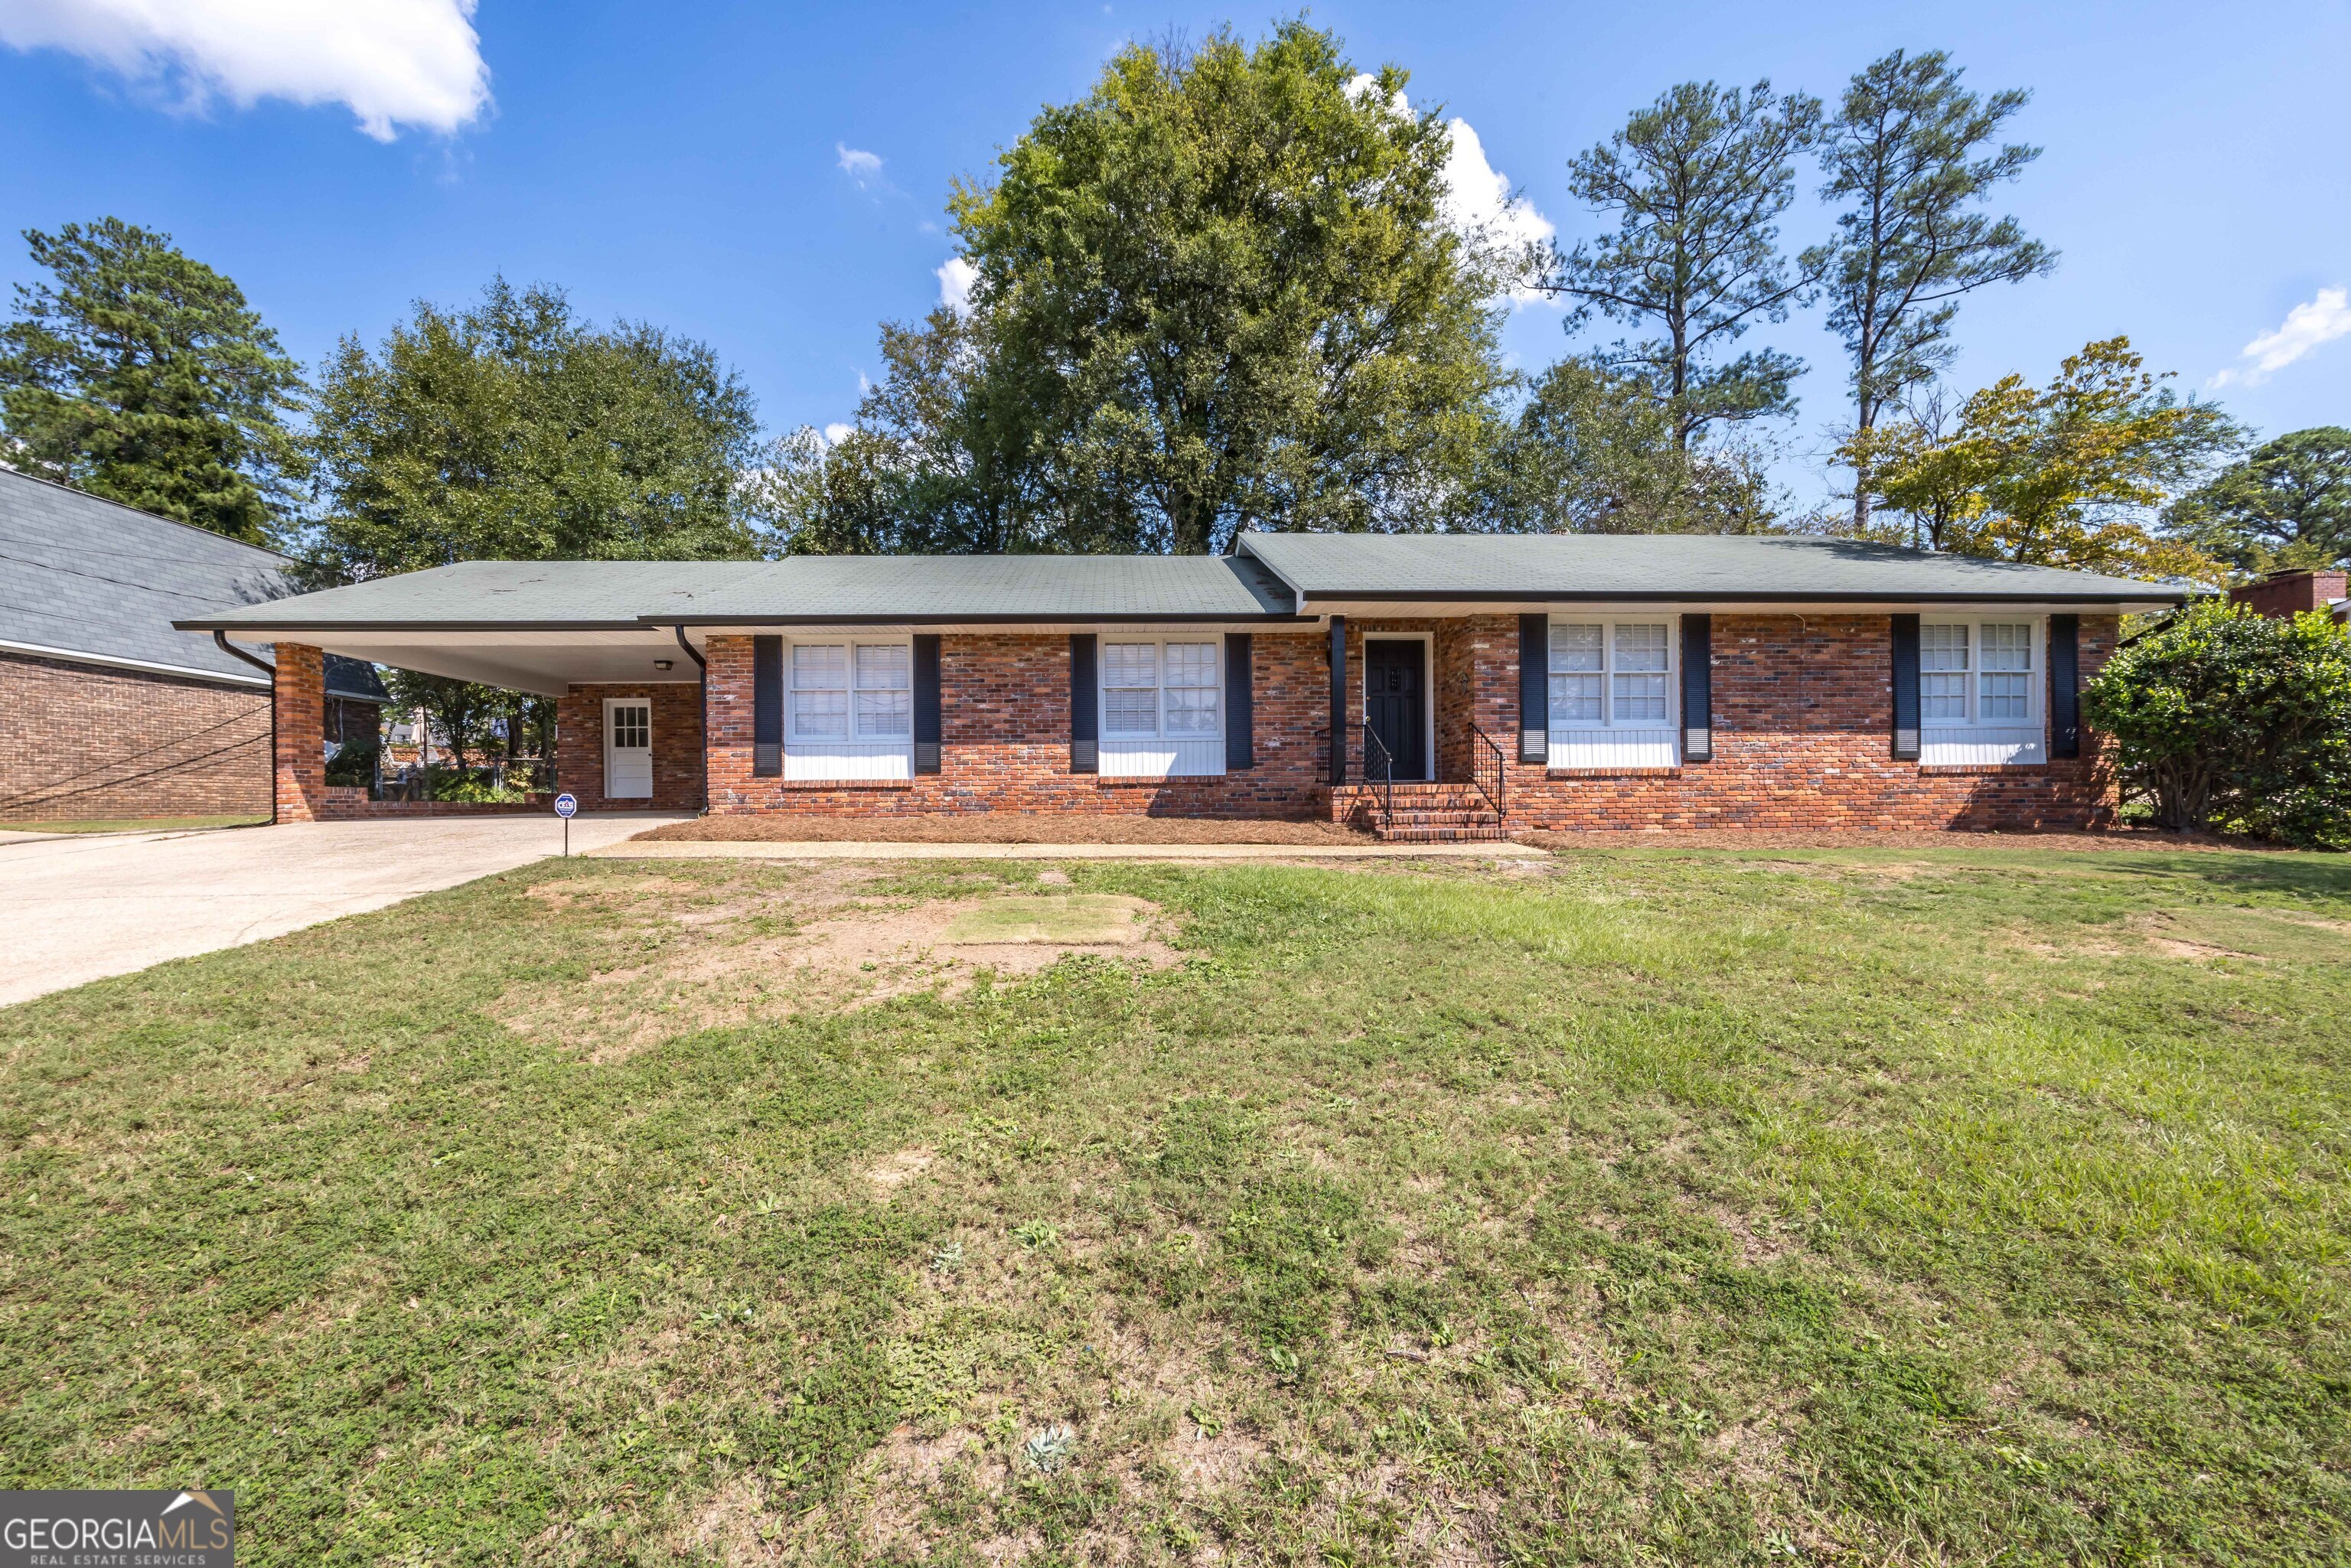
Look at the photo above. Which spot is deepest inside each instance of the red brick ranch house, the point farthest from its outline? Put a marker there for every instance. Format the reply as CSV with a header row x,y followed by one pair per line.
x,y
1435,686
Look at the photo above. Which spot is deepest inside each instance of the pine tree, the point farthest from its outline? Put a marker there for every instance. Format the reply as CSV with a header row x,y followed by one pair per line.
x,y
137,373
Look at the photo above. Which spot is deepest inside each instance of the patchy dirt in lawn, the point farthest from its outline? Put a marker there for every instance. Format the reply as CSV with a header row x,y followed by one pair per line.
x,y
1000,828
688,955
889,1174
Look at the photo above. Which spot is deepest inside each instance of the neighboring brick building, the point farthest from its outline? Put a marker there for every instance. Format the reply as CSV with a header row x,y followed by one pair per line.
x,y
2284,594
107,711
1475,682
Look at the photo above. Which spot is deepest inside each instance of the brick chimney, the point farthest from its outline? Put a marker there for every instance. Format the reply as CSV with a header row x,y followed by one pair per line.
x,y
2283,593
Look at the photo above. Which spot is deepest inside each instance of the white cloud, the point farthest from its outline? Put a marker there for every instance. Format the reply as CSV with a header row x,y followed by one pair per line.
x,y
392,63
955,278
1476,195
835,434
859,165
2307,324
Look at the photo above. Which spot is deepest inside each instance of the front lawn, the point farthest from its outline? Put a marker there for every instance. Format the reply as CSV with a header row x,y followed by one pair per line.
x,y
1648,1206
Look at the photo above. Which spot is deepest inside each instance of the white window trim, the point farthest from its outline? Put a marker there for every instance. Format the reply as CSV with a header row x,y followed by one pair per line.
x,y
1976,741
1158,755
611,704
1610,743
853,759
1428,641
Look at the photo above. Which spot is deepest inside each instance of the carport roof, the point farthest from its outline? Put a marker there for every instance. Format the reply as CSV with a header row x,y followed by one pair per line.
x,y
614,595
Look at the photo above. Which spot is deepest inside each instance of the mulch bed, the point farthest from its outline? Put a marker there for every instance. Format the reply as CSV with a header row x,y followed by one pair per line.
x,y
1078,827
1893,839
1003,828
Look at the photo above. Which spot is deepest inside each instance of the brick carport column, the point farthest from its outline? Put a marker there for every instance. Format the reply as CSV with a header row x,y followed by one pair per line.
x,y
300,694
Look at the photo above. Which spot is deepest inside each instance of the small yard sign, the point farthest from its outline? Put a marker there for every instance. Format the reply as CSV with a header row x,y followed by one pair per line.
x,y
566,804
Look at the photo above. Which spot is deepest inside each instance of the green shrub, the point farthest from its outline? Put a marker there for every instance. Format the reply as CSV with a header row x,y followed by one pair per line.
x,y
2232,720
352,763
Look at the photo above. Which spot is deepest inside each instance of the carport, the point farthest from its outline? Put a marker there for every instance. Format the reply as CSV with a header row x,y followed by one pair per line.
x,y
630,702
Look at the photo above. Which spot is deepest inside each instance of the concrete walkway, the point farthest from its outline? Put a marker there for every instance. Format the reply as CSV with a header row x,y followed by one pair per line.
x,y
76,907
882,850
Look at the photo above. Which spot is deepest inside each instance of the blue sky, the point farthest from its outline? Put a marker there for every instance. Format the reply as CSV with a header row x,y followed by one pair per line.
x,y
692,165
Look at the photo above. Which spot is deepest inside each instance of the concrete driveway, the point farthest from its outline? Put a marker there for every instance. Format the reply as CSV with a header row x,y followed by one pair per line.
x,y
76,907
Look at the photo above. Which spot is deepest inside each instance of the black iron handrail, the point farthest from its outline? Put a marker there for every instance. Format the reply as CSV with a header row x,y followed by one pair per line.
x,y
1379,772
1488,768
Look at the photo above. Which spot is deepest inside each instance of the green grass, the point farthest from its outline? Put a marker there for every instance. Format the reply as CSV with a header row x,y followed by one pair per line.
x,y
137,824
1658,1207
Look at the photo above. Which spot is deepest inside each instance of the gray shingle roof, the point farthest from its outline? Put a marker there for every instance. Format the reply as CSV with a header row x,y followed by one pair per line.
x,y
485,595
588,595
1754,568
91,577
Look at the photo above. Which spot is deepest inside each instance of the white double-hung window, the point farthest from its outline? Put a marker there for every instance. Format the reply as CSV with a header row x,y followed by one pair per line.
x,y
849,714
1163,709
1980,693
1615,693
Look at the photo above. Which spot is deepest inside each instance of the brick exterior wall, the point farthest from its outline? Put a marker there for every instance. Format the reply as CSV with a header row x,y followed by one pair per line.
x,y
79,742
301,698
1004,730
677,745
2291,592
1802,710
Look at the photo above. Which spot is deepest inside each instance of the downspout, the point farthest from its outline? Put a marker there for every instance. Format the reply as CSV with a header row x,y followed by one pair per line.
x,y
220,641
704,666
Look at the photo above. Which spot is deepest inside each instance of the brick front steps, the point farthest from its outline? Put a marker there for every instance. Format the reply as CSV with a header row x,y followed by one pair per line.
x,y
1424,813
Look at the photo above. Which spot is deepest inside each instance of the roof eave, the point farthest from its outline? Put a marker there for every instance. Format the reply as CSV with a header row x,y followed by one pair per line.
x,y
1684,596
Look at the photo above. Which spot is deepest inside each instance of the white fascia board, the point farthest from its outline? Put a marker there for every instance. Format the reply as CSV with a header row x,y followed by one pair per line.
x,y
77,656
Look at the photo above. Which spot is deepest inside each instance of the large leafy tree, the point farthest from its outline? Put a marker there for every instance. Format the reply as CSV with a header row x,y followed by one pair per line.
x,y
1910,156
2070,474
1697,181
1221,293
1592,452
136,372
2287,505
511,430
940,460
2225,718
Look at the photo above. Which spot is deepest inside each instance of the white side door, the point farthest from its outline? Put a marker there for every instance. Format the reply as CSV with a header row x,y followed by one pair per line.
x,y
628,749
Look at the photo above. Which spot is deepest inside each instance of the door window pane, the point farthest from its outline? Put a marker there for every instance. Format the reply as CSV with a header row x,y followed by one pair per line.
x,y
633,727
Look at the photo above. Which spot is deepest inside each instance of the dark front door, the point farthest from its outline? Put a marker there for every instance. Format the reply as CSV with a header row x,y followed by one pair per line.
x,y
1394,702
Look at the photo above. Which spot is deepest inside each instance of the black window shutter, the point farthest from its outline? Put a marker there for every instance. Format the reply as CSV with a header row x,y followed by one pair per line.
x,y
767,707
1697,688
1240,717
1339,737
926,703
2064,685
1534,688
1906,688
1085,730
